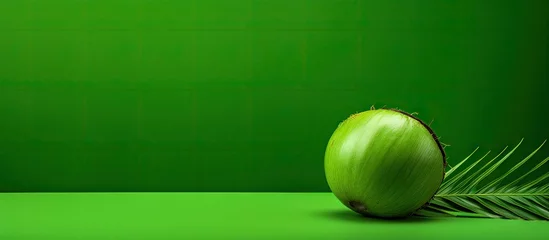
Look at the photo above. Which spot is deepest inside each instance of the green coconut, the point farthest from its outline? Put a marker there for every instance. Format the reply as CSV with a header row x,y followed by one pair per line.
x,y
384,163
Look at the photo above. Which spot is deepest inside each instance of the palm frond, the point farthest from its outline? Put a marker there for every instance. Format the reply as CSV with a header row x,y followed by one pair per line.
x,y
463,193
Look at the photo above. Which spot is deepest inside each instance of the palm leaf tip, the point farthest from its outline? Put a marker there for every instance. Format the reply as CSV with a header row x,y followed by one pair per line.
x,y
463,192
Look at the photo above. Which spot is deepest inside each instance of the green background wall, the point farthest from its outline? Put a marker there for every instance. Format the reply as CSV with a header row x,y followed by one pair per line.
x,y
242,95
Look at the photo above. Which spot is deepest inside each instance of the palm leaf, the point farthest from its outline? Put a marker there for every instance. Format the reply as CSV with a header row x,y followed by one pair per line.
x,y
464,192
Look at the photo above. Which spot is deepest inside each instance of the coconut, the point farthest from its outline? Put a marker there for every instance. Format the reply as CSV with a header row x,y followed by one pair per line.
x,y
384,163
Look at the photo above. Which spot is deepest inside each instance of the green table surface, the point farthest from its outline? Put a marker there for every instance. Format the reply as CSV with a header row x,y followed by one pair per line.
x,y
227,216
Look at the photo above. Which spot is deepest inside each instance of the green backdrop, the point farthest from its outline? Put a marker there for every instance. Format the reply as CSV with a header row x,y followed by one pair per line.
x,y
242,95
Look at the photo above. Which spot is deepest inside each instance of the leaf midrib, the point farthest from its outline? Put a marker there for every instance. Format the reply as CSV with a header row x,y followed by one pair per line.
x,y
491,194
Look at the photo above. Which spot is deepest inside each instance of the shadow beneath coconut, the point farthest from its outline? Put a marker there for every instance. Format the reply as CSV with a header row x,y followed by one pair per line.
x,y
346,215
